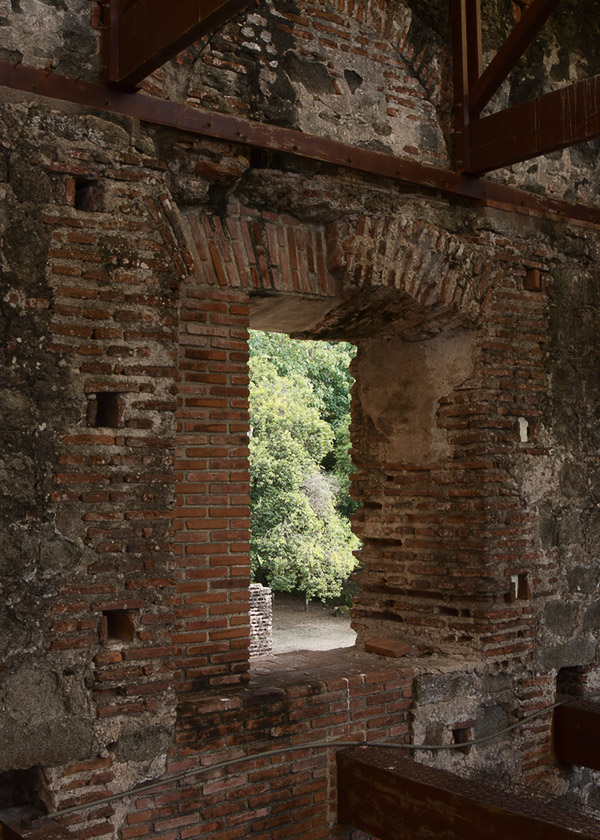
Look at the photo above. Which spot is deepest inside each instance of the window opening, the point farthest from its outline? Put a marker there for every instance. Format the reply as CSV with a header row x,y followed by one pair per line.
x,y
302,546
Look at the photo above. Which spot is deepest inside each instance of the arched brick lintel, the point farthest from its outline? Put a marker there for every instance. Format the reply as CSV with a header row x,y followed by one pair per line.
x,y
437,271
262,252
379,273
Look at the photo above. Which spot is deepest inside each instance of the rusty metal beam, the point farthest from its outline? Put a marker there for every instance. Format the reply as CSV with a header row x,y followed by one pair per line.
x,y
273,138
474,44
144,34
554,121
391,797
509,53
576,728
462,71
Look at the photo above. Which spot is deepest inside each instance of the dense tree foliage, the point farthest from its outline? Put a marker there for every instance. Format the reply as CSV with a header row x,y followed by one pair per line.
x,y
299,464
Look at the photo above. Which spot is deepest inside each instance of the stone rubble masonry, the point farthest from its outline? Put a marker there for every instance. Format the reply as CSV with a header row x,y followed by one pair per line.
x,y
149,615
354,55
132,262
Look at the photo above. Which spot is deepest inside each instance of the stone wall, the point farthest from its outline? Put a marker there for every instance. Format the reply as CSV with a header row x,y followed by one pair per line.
x,y
134,260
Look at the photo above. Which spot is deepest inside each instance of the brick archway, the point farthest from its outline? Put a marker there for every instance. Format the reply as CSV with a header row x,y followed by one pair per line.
x,y
422,282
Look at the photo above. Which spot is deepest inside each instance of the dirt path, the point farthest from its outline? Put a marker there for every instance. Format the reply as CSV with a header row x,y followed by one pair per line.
x,y
314,629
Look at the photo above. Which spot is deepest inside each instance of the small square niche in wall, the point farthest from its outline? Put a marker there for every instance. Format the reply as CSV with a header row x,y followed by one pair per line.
x,y
88,197
118,625
105,410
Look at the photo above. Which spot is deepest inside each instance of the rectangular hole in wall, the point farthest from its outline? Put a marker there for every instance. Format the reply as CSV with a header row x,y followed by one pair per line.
x,y
572,681
87,196
461,735
523,587
519,588
104,410
119,625
22,789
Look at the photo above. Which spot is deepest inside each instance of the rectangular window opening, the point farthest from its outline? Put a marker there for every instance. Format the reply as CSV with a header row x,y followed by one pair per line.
x,y
302,545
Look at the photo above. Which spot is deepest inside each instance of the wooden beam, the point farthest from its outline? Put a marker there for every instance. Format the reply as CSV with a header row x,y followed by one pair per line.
x,y
551,122
577,733
391,797
144,34
38,83
509,53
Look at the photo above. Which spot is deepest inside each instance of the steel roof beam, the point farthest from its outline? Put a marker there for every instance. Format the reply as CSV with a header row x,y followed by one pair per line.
x,y
175,115
551,122
509,53
142,35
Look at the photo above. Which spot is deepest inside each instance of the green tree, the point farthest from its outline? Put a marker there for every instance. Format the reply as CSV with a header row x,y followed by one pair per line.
x,y
326,367
299,539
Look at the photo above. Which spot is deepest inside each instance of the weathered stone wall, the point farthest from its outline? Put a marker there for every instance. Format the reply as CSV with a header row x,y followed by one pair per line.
x,y
133,262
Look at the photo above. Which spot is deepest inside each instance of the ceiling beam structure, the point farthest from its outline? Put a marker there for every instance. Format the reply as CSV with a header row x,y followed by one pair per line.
x,y
484,87
40,83
141,35
391,797
547,124
551,122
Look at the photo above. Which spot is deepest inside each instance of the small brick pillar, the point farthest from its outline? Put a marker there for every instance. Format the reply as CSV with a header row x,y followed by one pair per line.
x,y
261,619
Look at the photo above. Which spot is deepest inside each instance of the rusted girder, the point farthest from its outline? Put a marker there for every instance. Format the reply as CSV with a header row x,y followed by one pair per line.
x,y
554,121
466,44
577,733
509,53
143,34
392,797
273,138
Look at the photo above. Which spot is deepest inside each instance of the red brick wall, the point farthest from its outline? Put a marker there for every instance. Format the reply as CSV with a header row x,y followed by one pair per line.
x,y
289,794
444,530
212,487
114,281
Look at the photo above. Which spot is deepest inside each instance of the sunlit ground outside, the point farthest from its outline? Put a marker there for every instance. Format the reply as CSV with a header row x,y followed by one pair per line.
x,y
318,627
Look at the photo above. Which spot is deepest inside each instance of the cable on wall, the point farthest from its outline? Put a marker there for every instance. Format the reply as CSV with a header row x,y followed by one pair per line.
x,y
186,774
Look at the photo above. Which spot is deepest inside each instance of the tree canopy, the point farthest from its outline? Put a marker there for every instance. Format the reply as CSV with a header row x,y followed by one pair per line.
x,y
300,465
